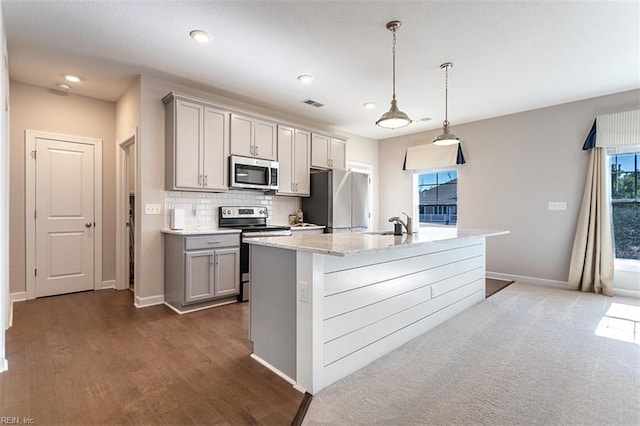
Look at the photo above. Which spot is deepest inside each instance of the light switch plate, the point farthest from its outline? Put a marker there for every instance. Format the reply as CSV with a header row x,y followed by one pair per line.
x,y
152,209
557,205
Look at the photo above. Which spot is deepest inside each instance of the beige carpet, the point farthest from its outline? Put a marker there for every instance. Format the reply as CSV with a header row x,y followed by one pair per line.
x,y
527,355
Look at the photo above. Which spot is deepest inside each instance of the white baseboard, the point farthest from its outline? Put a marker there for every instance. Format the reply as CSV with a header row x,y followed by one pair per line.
x,y
4,365
188,311
278,372
145,302
19,296
626,293
108,284
527,280
557,284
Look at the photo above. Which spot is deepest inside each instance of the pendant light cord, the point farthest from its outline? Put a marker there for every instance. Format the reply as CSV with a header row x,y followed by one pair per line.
x,y
393,50
446,97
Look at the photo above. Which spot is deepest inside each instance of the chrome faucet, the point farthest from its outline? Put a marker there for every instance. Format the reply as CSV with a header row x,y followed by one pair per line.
x,y
408,225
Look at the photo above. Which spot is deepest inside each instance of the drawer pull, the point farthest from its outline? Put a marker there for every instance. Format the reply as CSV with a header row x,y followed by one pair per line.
x,y
214,242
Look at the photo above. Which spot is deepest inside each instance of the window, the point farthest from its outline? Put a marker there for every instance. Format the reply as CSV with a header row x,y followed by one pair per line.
x,y
438,198
625,204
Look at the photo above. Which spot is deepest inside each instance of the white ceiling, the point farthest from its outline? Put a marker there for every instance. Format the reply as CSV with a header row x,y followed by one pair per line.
x,y
508,56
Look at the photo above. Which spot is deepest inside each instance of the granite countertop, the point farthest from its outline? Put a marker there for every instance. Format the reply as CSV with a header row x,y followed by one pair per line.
x,y
306,226
347,243
208,231
202,231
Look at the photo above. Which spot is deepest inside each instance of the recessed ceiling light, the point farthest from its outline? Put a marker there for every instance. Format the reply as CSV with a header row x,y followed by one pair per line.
x,y
61,86
369,105
72,78
200,36
305,79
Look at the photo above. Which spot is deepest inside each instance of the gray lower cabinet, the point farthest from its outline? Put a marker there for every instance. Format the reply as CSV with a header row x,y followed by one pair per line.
x,y
201,270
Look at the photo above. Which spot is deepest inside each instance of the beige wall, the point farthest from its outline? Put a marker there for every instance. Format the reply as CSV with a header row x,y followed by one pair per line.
x,y
35,108
516,164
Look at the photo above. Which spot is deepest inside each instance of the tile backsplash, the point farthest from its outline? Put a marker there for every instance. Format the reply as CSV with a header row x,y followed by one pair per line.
x,y
201,208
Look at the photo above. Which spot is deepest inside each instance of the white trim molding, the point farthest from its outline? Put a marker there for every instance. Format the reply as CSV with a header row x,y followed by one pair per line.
x,y
278,372
30,204
123,146
635,294
4,365
145,302
19,296
528,280
110,284
556,284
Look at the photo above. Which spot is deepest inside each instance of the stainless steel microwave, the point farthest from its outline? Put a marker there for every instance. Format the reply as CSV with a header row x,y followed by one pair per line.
x,y
253,173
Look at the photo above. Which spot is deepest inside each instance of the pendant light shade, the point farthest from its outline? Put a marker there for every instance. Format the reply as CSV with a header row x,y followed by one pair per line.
x,y
394,118
446,137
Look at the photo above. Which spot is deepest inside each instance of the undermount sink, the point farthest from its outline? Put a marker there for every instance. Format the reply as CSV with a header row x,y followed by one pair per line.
x,y
379,232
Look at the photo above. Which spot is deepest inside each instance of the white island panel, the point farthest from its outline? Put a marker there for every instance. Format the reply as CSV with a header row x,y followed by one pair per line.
x,y
361,296
374,303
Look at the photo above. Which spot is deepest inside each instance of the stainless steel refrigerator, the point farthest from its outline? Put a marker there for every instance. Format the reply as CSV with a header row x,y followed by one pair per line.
x,y
339,200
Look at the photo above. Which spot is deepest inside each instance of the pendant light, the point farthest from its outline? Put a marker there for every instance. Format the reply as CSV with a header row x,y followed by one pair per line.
x,y
394,118
446,137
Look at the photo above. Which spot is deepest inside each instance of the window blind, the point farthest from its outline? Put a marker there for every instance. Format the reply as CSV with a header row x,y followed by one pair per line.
x,y
619,129
430,156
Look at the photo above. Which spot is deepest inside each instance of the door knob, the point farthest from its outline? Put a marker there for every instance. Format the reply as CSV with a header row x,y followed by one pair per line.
x,y
88,224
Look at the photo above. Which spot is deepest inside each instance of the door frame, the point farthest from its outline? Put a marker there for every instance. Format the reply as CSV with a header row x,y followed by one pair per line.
x,y
30,204
122,212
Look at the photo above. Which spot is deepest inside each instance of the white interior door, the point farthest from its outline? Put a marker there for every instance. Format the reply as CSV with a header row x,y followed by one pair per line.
x,y
65,220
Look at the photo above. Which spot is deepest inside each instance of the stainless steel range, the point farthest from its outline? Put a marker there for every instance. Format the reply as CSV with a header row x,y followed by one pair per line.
x,y
252,220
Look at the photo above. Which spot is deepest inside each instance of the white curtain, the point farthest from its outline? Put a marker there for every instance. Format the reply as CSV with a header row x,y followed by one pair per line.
x,y
592,257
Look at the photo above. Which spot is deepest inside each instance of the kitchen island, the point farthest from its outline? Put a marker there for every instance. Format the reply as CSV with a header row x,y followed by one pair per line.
x,y
324,306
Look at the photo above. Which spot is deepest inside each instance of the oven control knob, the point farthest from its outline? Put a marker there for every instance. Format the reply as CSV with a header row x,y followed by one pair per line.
x,y
263,211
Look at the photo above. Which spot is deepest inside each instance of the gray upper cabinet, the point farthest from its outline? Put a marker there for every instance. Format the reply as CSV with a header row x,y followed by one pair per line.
x,y
197,145
294,159
253,137
327,152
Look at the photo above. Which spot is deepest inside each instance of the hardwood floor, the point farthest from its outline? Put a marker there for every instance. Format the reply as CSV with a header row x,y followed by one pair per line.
x,y
93,358
493,286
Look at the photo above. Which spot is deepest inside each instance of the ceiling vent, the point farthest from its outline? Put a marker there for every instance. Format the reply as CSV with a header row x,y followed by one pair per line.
x,y
312,103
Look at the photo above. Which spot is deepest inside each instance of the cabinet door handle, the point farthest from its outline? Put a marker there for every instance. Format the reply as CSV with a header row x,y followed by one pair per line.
x,y
256,149
199,179
217,256
206,179
251,150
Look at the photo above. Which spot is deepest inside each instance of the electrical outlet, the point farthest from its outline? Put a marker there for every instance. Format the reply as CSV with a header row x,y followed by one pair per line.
x,y
303,294
557,205
152,209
